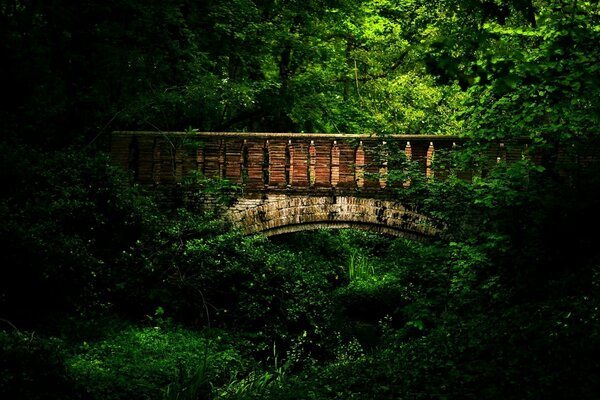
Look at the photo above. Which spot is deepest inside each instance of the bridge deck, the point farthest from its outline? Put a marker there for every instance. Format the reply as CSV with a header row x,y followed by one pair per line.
x,y
298,181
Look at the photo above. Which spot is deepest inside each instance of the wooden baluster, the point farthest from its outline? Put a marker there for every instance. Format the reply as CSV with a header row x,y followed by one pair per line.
x,y
244,162
501,155
178,164
429,162
525,152
289,163
453,171
335,164
200,159
266,164
383,169
222,159
359,166
408,156
312,162
156,161
133,159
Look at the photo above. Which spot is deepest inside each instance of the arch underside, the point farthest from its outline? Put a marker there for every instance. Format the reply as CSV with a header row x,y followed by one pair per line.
x,y
311,226
282,214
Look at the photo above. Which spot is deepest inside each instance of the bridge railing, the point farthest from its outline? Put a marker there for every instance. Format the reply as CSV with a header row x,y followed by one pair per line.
x,y
284,161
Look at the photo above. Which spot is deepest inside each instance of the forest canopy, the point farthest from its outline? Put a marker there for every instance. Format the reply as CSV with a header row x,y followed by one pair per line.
x,y
86,68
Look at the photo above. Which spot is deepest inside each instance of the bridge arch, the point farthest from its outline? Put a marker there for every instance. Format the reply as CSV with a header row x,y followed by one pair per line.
x,y
278,214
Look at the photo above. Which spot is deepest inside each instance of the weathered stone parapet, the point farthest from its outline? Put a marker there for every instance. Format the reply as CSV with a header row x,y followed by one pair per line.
x,y
276,214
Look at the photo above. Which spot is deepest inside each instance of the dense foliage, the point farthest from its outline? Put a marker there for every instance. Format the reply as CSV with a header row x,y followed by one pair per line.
x,y
106,295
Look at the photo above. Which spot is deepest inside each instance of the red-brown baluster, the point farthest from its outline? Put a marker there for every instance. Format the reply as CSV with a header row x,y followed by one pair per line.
x,y
289,163
383,169
312,162
408,155
429,162
335,164
359,166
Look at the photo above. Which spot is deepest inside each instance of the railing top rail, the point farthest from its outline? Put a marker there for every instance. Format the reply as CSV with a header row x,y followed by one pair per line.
x,y
331,136
290,135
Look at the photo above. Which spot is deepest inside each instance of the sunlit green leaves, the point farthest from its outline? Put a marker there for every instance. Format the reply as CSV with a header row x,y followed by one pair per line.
x,y
139,363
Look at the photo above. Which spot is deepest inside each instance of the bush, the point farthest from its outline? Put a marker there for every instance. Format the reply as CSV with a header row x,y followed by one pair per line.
x,y
67,219
32,367
143,363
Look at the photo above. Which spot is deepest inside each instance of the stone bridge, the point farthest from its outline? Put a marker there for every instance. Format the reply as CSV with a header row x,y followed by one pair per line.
x,y
298,181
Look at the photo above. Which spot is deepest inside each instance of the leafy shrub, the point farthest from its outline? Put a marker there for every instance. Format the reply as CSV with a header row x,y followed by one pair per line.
x,y
142,363
32,367
67,219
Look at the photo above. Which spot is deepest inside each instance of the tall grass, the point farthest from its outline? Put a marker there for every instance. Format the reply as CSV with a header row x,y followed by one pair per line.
x,y
191,385
256,383
359,266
